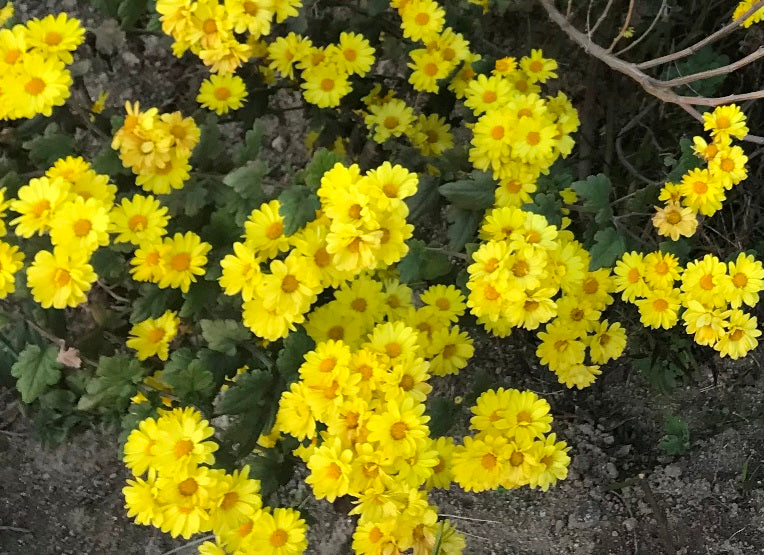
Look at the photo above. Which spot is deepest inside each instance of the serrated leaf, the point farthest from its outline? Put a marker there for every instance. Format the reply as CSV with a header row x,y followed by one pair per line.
x,y
191,199
422,264
681,248
298,207
596,193
323,160
35,370
247,180
676,440
475,193
291,356
107,162
107,263
463,226
198,299
548,205
153,302
609,245
49,147
246,394
224,335
210,149
426,199
191,382
442,413
113,385
659,374
253,141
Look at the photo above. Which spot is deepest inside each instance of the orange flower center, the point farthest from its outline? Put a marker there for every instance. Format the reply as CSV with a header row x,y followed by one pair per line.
x,y
516,459
182,448
355,211
222,93
39,207
393,349
700,187
12,56
561,345
520,268
707,282
278,538
155,335
209,26
137,222
327,84
524,113
533,138
722,122
673,217
448,54
497,132
491,264
727,164
250,8
188,487
422,18
591,286
736,335
52,38
333,471
521,85
229,500
359,305
375,534
181,262
430,69
535,66
531,305
407,383
488,461
337,333
398,430
82,227
289,284
604,339
328,364
393,301
490,293
449,351
577,315
322,258
35,86
274,230
489,96
513,186
61,277
633,275
740,279
660,305
661,268
443,303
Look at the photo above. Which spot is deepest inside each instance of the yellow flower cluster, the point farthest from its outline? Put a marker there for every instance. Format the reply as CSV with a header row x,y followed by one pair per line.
x,y
153,336
182,495
325,70
709,297
376,447
743,7
702,190
33,59
360,227
156,147
510,449
519,269
518,134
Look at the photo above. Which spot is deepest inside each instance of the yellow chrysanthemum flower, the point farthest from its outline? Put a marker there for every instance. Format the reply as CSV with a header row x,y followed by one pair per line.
x,y
80,225
11,261
725,121
37,204
153,336
138,220
184,258
60,279
222,93
56,35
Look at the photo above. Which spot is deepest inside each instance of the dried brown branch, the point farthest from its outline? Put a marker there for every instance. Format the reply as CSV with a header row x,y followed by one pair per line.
x,y
656,87
620,34
644,35
723,32
601,18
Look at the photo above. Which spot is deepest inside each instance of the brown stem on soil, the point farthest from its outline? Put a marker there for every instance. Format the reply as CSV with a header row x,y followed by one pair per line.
x,y
656,87
664,531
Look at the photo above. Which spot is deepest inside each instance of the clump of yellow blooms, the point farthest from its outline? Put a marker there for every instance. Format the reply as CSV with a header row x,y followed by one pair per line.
x,y
516,276
743,7
34,77
702,190
361,226
706,294
174,488
156,147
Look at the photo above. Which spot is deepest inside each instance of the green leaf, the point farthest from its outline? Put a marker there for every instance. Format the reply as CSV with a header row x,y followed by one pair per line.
x,y
475,193
130,11
596,193
191,381
608,246
442,413
676,440
426,199
298,207
687,161
704,59
137,413
191,199
108,7
253,141
49,147
198,298
323,161
35,370
463,226
681,248
153,302
292,355
113,385
660,374
210,149
246,393
248,180
376,7
224,335
422,264
107,263
107,162
548,205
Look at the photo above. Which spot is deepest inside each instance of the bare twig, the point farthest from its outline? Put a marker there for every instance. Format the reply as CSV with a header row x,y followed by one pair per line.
x,y
656,87
620,34
643,36
15,529
729,68
189,544
600,19
723,32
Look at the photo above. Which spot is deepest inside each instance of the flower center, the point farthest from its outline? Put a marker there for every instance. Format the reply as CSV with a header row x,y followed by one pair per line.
x,y
137,222
328,364
707,282
82,227
393,349
181,262
497,132
633,275
535,66
327,85
322,258
407,383
736,335
333,471
274,230
523,417
52,38
278,538
700,187
443,303
531,305
489,97
336,332
728,165
524,113
740,280
422,18
660,305
722,122
182,448
156,335
673,217
61,277
449,351
430,69
35,86
289,284
533,138
488,461
229,500
490,293
520,268
591,286
359,305
188,487
250,8
355,212
222,93
12,56
391,122
516,459
209,26
398,430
